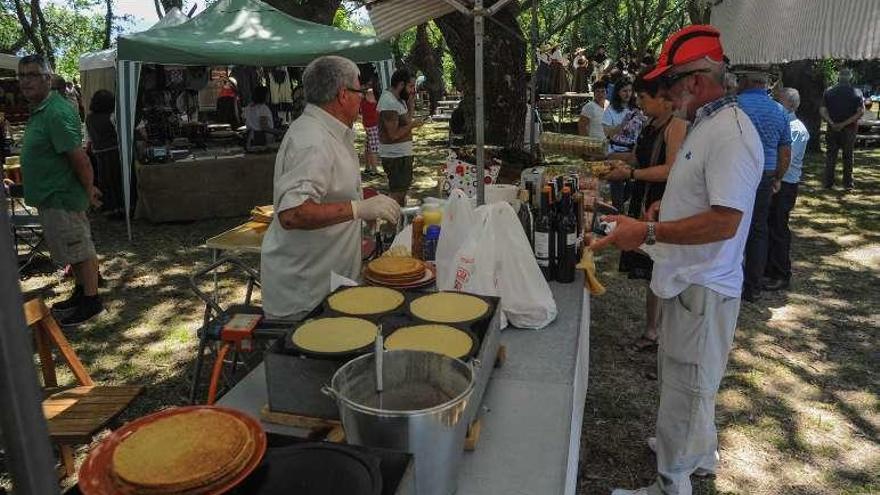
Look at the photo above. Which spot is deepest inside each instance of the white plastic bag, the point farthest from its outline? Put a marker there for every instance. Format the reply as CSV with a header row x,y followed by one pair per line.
x,y
458,220
497,260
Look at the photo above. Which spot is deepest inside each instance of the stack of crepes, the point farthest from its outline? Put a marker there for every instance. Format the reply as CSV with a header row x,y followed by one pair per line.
x,y
199,451
263,214
395,271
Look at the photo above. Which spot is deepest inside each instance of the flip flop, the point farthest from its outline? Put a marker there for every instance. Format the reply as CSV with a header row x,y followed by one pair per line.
x,y
644,344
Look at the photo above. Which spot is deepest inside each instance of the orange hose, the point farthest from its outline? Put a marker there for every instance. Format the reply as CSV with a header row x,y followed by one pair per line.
x,y
215,373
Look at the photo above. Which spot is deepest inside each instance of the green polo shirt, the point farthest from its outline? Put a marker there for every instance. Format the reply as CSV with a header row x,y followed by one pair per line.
x,y
53,129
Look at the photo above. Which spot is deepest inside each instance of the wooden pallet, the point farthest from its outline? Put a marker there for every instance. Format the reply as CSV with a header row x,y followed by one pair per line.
x,y
331,430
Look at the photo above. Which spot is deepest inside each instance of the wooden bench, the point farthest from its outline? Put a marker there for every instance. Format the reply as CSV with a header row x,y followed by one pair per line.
x,y
73,415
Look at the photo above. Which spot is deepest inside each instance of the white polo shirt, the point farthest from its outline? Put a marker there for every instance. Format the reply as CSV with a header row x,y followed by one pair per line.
x,y
719,164
317,160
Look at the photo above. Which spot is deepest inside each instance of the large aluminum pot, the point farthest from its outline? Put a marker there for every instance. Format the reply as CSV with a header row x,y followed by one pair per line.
x,y
421,410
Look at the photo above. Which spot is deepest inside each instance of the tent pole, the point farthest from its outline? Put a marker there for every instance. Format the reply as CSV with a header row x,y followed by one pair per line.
x,y
533,80
478,100
25,434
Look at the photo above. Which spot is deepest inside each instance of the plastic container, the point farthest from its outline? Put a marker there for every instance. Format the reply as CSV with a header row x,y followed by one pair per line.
x,y
432,237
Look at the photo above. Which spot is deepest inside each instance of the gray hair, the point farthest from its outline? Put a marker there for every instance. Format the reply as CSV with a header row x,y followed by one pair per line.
x,y
325,76
792,97
36,59
756,78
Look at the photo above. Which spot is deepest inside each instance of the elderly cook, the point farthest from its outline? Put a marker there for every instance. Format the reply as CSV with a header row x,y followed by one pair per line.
x,y
317,196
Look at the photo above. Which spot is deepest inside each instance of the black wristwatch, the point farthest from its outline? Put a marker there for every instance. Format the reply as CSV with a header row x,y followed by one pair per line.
x,y
651,237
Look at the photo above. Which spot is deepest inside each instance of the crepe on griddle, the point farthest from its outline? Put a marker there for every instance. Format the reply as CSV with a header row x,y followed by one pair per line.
x,y
339,334
449,307
365,300
441,339
182,452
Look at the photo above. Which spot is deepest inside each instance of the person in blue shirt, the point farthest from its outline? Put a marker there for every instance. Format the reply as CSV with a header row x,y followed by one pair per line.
x,y
778,270
771,122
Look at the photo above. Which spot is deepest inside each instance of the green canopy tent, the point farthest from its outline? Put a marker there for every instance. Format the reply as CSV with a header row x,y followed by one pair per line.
x,y
230,32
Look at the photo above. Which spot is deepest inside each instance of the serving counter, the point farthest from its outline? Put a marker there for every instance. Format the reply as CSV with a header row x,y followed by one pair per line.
x,y
532,410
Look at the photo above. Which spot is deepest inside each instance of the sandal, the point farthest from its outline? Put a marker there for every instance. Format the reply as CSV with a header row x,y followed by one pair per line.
x,y
644,344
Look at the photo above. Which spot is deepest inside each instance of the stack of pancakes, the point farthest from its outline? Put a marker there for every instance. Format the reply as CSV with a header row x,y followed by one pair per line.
x,y
195,452
395,271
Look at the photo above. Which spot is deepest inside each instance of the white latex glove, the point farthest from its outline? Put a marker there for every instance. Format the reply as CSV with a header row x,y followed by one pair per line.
x,y
377,207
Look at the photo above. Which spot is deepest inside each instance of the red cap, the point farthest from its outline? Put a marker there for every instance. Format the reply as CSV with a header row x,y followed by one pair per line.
x,y
686,45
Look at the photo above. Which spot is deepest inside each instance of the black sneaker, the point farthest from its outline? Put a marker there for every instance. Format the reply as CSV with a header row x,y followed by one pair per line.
x,y
88,307
71,302
777,284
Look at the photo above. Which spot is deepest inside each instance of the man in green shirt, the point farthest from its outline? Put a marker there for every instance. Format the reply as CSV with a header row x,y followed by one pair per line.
x,y
58,180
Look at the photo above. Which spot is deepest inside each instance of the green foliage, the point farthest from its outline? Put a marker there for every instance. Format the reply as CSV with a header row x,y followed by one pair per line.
x,y
74,28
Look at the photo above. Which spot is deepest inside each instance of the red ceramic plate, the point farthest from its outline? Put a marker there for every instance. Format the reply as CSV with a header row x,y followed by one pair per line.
x,y
94,474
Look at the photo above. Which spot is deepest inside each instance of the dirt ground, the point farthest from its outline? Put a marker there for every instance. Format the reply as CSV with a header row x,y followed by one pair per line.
x,y
799,409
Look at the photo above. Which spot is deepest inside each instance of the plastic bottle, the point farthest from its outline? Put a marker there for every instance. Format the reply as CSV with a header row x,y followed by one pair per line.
x,y
431,239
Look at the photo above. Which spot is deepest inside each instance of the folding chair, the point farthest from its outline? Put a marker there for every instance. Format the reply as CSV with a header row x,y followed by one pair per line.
x,y
76,414
27,231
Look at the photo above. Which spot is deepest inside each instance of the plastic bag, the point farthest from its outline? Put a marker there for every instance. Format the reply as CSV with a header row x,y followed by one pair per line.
x,y
496,260
458,220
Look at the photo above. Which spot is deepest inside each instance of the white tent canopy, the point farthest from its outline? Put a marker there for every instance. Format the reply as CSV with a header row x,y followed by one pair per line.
x,y
8,61
763,32
106,59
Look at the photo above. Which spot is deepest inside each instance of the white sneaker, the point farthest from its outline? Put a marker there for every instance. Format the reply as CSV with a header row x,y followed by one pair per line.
x,y
699,473
621,491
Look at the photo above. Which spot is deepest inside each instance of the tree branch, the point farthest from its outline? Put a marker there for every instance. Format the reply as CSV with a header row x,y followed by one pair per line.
x,y
564,24
44,31
108,24
158,9
28,27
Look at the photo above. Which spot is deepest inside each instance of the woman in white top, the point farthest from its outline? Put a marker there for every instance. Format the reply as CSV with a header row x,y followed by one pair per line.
x,y
590,121
622,123
258,117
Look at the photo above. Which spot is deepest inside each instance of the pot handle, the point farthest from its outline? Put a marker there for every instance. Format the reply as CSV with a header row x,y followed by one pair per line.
x,y
476,364
330,392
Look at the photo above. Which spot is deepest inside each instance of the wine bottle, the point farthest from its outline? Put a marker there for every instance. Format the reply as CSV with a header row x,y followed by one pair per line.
x,y
566,238
545,243
525,216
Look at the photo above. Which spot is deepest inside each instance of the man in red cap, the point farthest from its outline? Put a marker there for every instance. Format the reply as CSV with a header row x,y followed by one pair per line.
x,y
697,246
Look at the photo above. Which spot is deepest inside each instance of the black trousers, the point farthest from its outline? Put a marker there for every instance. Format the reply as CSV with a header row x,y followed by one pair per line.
x,y
779,249
756,245
842,140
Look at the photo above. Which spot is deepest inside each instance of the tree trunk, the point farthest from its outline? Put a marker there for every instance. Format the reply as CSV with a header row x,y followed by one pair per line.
x,y
29,26
426,58
699,11
803,76
37,10
504,72
170,4
319,11
108,24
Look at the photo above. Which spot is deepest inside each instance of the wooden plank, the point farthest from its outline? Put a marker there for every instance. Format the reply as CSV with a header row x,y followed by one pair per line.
x,y
67,352
473,435
298,421
47,361
34,311
67,462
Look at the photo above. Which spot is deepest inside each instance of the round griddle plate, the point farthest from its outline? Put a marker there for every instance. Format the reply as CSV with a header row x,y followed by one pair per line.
x,y
315,469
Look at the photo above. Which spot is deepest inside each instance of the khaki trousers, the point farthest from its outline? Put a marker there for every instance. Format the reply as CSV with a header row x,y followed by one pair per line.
x,y
696,334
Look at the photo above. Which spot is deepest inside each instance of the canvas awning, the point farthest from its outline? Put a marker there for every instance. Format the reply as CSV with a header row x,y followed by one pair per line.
x,y
763,32
248,32
105,59
229,32
9,62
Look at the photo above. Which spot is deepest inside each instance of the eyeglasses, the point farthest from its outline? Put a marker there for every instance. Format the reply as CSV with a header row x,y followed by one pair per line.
x,y
31,75
362,91
671,79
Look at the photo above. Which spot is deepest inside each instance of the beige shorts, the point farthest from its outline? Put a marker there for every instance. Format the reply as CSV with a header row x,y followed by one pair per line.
x,y
68,235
